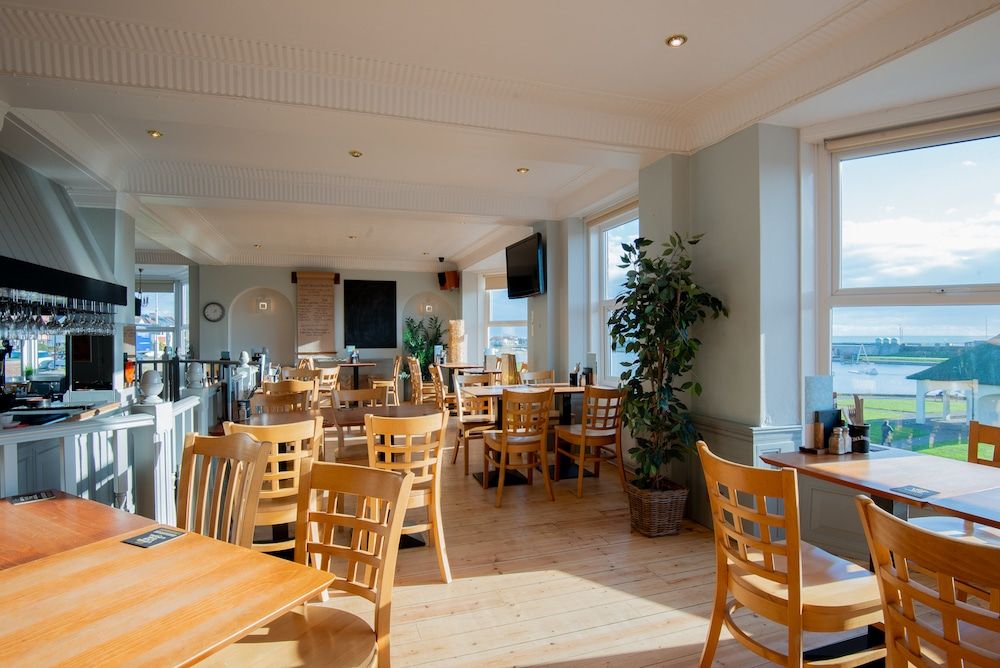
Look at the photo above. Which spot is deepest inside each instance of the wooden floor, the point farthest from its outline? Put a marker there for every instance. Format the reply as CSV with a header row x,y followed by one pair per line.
x,y
538,583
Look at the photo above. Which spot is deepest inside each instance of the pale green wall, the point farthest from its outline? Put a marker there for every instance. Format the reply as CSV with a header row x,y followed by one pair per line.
x,y
224,284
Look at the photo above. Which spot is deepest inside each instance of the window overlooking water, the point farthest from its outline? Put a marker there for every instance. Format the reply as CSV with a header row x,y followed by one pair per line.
x,y
612,283
507,325
914,317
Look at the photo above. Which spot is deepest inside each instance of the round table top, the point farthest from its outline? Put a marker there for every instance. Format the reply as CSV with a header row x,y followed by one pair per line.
x,y
342,417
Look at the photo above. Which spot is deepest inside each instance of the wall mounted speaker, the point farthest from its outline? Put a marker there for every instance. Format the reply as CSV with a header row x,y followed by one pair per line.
x,y
448,280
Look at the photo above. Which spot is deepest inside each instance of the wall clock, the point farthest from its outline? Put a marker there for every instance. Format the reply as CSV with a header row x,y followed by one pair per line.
x,y
213,311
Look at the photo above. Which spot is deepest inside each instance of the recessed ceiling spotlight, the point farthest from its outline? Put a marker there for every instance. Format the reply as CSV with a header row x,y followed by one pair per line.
x,y
154,133
355,153
675,41
426,253
352,236
258,246
522,170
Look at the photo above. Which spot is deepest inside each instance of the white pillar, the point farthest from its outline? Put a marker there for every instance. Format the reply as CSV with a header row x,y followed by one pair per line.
x,y
921,398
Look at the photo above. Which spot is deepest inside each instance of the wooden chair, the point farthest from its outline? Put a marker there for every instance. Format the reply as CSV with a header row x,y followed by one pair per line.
x,y
979,434
598,437
475,414
918,571
289,402
765,566
329,380
306,363
294,385
414,445
422,392
219,486
538,377
524,432
370,396
446,400
290,444
391,384
365,505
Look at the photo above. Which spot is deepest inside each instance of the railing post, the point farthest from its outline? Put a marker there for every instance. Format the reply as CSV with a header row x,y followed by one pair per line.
x,y
155,464
122,483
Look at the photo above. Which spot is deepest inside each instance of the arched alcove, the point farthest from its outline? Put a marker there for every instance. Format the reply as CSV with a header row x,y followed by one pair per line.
x,y
261,317
417,307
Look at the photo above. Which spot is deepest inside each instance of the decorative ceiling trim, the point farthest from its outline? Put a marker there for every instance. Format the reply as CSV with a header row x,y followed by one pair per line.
x,y
52,44
301,260
245,183
157,256
850,44
93,198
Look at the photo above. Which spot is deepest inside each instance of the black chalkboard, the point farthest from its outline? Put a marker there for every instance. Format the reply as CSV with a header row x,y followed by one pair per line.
x,y
370,314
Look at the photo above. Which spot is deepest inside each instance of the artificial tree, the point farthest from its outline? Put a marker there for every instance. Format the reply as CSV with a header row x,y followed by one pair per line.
x,y
652,322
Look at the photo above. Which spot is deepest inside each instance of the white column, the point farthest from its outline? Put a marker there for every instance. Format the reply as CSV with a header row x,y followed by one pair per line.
x,y
156,464
921,398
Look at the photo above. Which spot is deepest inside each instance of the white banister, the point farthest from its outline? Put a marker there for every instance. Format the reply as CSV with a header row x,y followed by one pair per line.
x,y
74,437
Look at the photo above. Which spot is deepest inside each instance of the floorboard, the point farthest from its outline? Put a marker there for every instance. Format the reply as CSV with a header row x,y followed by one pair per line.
x,y
564,583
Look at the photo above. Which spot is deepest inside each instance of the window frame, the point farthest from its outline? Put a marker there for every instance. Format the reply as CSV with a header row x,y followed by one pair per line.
x,y
488,323
601,305
181,328
828,261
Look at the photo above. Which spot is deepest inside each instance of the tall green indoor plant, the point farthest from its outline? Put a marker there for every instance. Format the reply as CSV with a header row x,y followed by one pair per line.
x,y
652,322
419,339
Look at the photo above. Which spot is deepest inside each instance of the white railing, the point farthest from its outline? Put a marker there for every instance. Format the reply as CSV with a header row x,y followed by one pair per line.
x,y
88,448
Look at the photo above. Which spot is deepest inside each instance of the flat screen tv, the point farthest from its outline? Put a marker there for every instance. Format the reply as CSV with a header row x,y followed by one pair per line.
x,y
526,267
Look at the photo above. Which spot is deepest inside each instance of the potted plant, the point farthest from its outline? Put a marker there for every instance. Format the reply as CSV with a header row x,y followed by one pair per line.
x,y
654,314
419,339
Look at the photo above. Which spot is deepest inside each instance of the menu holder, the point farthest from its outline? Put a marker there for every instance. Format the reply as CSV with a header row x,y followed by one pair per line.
x,y
155,537
43,495
914,491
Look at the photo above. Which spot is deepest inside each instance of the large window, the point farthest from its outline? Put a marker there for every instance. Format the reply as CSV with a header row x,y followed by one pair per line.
x,y
914,299
610,282
163,321
506,324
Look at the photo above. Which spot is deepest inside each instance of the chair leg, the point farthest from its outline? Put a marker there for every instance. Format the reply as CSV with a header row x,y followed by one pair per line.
x,y
621,462
579,470
543,457
718,613
458,444
555,450
501,470
486,465
465,444
437,531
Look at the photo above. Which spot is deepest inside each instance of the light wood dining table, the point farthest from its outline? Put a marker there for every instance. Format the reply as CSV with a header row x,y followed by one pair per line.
x,y
966,490
108,603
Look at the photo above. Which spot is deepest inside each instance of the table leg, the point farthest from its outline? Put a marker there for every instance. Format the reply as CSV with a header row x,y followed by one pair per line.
x,y
357,378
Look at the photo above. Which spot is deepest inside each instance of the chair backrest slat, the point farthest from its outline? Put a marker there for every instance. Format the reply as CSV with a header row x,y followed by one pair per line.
x,y
984,434
220,484
369,396
525,414
755,513
602,408
358,529
919,575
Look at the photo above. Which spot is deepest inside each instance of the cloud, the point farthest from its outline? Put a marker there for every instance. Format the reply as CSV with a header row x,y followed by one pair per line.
x,y
969,163
889,208
951,211
996,199
909,251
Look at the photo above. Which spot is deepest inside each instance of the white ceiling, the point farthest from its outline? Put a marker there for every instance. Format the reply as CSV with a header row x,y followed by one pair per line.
x,y
260,103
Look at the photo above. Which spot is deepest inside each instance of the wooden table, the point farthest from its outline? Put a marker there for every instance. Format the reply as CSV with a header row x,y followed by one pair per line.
x,y
963,489
357,368
57,525
453,366
563,390
108,603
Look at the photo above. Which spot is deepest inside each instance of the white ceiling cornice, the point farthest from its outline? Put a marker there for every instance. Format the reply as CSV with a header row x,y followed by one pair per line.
x,y
856,41
75,47
51,44
338,262
244,183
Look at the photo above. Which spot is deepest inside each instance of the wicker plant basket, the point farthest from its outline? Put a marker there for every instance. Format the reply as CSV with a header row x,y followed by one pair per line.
x,y
657,513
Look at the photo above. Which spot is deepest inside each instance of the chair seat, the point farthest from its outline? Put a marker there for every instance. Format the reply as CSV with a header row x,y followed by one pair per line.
x,y
574,433
958,528
837,595
492,438
475,420
271,511
319,634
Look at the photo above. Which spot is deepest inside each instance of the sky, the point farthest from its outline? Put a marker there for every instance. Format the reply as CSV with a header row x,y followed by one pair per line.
x,y
925,217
